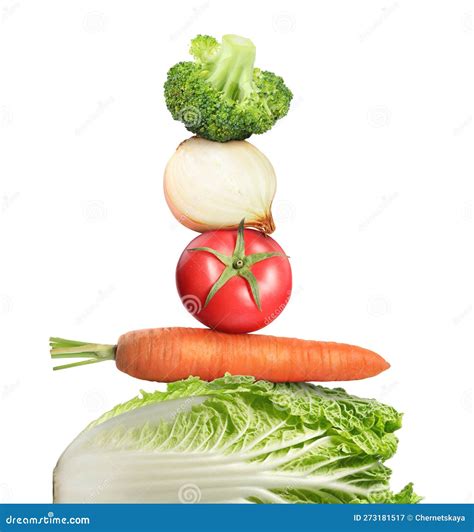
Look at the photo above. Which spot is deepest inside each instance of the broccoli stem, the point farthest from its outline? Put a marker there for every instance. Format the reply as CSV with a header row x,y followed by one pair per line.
x,y
232,70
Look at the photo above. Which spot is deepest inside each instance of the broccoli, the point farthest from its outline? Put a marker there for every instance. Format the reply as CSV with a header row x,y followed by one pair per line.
x,y
220,95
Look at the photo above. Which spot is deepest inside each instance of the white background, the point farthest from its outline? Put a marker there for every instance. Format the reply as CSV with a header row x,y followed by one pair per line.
x,y
374,206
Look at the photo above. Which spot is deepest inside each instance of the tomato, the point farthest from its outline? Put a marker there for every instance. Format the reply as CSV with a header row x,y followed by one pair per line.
x,y
227,286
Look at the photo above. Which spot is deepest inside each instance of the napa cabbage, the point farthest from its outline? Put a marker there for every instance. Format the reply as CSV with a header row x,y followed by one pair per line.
x,y
235,440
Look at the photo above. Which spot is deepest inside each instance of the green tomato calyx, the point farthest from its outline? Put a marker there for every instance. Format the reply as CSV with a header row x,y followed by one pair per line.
x,y
238,264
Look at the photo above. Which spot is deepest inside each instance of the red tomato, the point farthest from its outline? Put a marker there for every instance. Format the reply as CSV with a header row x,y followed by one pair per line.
x,y
233,308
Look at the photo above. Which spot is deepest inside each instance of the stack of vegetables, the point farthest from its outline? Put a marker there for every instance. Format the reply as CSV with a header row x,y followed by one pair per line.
x,y
238,422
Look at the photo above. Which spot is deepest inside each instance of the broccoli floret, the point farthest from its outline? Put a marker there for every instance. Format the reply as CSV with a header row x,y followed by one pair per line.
x,y
220,95
204,48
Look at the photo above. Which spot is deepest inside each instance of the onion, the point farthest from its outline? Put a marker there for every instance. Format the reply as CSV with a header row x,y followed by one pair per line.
x,y
214,185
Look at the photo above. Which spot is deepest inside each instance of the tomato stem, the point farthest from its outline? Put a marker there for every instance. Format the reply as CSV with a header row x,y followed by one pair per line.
x,y
238,264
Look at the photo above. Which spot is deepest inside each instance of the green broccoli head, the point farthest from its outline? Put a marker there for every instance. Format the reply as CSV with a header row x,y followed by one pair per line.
x,y
220,95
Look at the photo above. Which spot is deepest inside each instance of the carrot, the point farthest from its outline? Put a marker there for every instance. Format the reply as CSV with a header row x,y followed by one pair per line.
x,y
175,353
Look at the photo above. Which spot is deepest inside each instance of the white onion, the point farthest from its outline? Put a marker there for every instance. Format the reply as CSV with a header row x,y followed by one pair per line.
x,y
214,185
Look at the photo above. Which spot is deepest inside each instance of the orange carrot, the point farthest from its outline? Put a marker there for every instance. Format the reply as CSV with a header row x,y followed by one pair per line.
x,y
175,353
